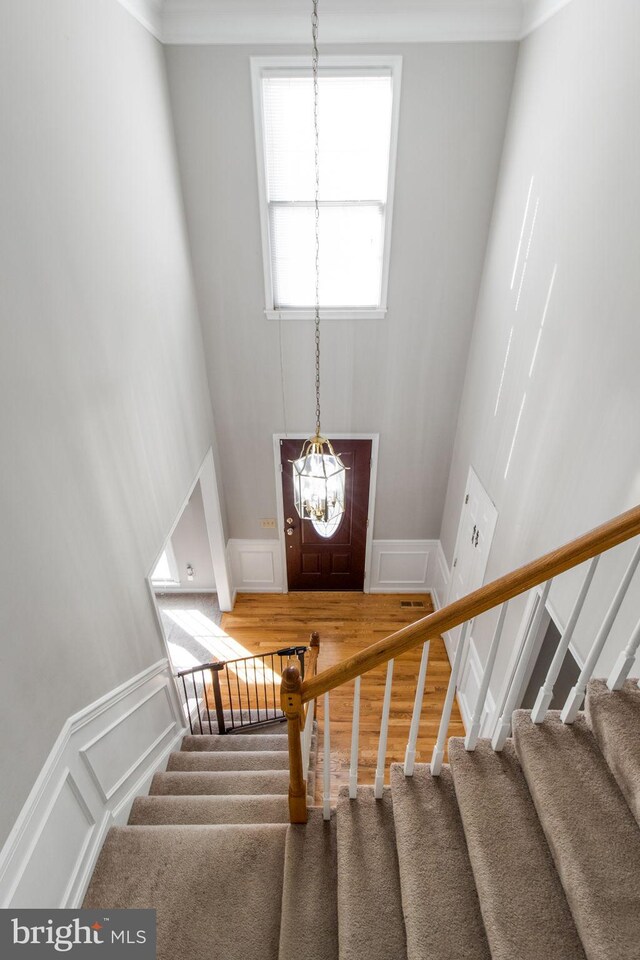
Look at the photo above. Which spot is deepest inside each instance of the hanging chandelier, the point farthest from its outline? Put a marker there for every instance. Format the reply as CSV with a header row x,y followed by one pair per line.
x,y
318,473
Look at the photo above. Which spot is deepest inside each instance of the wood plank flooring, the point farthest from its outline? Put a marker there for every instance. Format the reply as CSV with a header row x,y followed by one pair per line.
x,y
348,622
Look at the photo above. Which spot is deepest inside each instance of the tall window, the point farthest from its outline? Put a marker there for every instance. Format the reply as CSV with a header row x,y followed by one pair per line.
x,y
358,109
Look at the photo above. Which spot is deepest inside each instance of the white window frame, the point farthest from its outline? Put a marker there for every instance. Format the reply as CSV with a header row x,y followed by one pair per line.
x,y
264,65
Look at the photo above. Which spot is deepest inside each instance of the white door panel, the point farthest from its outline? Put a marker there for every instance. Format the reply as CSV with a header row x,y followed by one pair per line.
x,y
477,525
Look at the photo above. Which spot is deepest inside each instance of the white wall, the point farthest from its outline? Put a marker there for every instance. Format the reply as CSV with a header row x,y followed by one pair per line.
x,y
104,409
191,545
401,376
574,128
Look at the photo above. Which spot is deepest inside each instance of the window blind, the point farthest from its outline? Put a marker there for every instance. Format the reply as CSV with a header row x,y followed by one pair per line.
x,y
355,133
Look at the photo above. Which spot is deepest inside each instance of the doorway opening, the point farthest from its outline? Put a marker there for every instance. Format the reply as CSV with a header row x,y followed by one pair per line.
x,y
312,560
189,581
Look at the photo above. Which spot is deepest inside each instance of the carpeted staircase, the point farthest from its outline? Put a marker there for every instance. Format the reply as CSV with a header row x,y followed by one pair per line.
x,y
528,854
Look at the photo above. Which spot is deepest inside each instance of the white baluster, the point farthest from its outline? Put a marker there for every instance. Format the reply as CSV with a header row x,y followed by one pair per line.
x,y
576,697
355,729
326,764
545,694
410,753
307,736
503,727
438,751
476,721
625,661
384,730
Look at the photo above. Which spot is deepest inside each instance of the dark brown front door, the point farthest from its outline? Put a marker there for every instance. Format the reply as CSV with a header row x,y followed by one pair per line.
x,y
313,561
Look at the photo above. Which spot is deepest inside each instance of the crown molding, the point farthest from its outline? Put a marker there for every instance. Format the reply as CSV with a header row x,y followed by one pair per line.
x,y
355,21
537,12
342,21
147,12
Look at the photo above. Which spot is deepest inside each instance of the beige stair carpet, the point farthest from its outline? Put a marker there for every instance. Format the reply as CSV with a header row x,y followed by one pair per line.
x,y
592,835
614,718
229,760
236,741
309,929
523,905
370,924
221,782
202,809
217,890
441,909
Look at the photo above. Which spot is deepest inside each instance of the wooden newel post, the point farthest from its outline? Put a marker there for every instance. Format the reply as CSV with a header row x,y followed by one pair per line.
x,y
291,703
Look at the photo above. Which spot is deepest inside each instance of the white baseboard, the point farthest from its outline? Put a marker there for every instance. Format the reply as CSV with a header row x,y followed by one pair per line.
x,y
104,756
159,591
256,566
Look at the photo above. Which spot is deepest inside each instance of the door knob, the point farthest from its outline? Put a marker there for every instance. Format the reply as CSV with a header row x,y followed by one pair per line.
x,y
289,531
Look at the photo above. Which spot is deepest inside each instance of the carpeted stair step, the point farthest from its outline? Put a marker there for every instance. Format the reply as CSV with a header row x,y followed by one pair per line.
x,y
241,782
309,929
270,808
232,760
217,890
370,924
524,909
614,718
236,742
441,909
590,830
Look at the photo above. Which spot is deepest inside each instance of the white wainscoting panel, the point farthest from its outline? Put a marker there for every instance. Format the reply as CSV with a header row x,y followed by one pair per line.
x,y
404,566
105,756
256,566
468,688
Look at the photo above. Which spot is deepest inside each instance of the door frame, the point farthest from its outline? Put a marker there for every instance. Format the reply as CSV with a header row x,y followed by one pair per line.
x,y
375,443
471,476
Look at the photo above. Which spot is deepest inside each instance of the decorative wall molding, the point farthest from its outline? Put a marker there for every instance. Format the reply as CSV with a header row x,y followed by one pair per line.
x,y
147,12
256,566
361,21
404,566
397,566
537,12
104,756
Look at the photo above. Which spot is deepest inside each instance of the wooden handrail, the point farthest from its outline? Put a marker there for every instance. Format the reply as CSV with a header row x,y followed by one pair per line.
x,y
610,534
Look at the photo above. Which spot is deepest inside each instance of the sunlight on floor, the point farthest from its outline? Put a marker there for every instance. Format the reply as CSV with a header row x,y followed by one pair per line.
x,y
219,644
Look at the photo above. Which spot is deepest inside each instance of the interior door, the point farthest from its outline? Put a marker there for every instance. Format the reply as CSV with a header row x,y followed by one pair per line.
x,y
336,563
475,534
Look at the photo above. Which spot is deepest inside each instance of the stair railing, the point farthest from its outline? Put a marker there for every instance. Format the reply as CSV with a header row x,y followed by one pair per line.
x,y
236,694
300,719
297,691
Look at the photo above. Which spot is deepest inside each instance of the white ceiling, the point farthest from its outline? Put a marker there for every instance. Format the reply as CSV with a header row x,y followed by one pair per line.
x,y
341,21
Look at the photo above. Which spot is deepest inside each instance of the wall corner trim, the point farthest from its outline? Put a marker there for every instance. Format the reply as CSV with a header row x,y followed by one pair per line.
x,y
103,757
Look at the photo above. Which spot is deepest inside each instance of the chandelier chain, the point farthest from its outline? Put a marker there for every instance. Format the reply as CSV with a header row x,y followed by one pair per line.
x,y
315,65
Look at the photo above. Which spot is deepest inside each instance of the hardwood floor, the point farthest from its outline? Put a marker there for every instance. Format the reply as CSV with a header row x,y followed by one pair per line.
x,y
348,622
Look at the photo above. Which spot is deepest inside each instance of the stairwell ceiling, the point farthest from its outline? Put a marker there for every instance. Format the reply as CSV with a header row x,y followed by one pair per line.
x,y
343,21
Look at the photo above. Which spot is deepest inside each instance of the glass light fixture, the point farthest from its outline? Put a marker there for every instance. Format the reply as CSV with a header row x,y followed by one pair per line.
x,y
318,473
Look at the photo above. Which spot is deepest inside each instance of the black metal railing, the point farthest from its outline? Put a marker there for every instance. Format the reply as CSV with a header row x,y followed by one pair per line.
x,y
229,695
